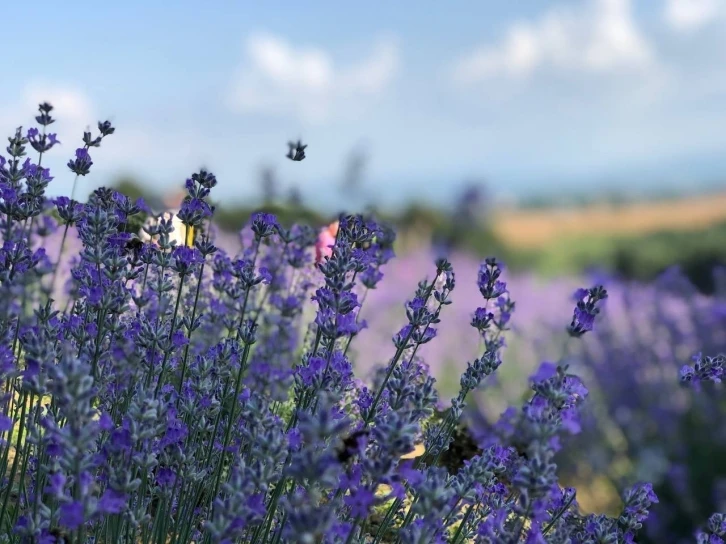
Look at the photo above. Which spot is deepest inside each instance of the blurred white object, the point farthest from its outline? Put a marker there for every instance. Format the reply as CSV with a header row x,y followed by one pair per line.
x,y
179,228
173,203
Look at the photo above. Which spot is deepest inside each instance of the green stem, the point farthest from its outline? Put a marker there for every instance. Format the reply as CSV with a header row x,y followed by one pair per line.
x,y
75,181
460,529
57,264
353,531
232,415
392,365
558,515
186,348
172,330
16,459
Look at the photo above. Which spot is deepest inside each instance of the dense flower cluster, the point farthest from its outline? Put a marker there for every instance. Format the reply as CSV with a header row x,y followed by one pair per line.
x,y
638,423
178,393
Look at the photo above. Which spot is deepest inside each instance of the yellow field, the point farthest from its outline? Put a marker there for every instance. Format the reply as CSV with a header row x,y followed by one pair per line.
x,y
531,229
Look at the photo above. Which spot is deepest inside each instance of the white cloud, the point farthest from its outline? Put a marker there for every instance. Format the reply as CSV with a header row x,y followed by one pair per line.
x,y
688,15
374,74
72,105
601,37
277,77
306,69
73,109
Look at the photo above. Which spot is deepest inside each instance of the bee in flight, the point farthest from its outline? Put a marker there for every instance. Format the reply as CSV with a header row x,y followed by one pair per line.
x,y
462,448
351,445
59,535
133,247
296,151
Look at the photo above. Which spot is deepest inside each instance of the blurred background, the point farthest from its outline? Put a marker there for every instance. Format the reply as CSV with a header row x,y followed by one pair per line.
x,y
560,135
576,140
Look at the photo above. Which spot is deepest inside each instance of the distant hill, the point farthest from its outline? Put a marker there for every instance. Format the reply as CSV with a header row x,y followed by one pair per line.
x,y
534,228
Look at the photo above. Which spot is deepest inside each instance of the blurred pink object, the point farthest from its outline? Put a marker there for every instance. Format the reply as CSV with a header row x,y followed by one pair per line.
x,y
326,239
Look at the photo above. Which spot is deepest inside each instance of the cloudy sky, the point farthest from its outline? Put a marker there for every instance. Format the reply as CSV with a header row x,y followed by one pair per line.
x,y
530,95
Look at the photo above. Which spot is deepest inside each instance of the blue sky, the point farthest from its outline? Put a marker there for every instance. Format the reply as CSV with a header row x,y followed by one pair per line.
x,y
531,96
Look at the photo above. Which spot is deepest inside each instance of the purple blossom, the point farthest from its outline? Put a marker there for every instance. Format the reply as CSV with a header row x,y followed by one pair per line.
x,y
111,502
81,165
161,390
6,423
263,224
704,369
72,515
360,502
586,309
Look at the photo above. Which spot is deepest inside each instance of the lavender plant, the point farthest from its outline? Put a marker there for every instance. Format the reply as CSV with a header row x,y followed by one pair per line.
x,y
176,393
639,424
708,368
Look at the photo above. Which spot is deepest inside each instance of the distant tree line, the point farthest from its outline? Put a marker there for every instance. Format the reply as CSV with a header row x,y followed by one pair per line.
x,y
466,226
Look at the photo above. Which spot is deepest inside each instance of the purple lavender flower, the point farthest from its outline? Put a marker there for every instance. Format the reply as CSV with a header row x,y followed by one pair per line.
x,y
194,211
586,309
81,165
168,394
704,369
263,224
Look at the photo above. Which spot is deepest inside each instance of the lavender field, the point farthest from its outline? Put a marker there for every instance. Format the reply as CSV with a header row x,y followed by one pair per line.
x,y
639,423
176,383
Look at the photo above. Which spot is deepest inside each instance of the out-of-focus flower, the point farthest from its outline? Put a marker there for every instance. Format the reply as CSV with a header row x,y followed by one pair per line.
x,y
326,239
